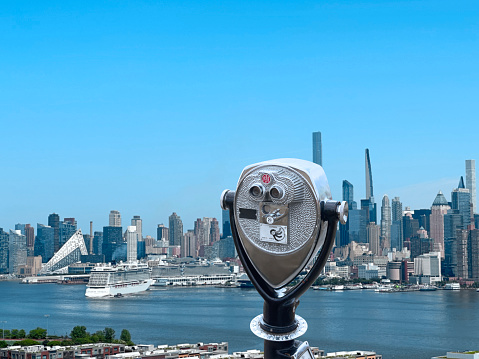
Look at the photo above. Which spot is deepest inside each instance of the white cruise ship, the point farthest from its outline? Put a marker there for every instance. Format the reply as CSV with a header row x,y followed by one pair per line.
x,y
124,278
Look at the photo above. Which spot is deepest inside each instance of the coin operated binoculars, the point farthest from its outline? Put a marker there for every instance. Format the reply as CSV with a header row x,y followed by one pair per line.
x,y
282,216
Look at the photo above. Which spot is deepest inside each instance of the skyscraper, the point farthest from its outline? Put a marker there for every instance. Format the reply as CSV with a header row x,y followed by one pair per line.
x,y
438,209
369,177
226,226
54,222
461,201
471,181
162,232
138,223
66,230
188,247
176,229
317,149
373,238
30,236
214,231
45,243
386,221
112,243
17,251
131,244
3,251
115,219
348,192
396,224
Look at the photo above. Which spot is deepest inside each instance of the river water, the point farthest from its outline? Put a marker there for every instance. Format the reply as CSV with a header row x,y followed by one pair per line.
x,y
396,325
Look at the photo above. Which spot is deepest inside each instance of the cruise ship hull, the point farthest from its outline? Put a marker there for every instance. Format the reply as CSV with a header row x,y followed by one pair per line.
x,y
118,289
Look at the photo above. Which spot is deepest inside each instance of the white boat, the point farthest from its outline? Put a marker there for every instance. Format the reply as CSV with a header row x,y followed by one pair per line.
x,y
117,280
452,286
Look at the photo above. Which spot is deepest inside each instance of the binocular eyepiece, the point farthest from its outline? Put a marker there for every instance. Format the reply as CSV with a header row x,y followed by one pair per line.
x,y
282,217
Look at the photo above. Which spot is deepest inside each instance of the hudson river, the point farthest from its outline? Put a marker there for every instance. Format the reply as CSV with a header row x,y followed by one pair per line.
x,y
397,325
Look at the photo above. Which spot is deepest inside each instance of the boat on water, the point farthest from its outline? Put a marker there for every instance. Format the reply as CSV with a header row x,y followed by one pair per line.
x,y
108,280
427,288
452,286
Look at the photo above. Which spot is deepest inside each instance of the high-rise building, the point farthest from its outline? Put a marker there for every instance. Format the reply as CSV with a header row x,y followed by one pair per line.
x,y
471,182
461,201
17,251
386,221
214,231
45,242
373,238
348,192
175,230
396,224
317,149
115,219
162,233
358,221
137,222
20,227
98,243
225,221
188,245
54,222
112,245
30,236
4,238
369,176
131,244
438,209
66,230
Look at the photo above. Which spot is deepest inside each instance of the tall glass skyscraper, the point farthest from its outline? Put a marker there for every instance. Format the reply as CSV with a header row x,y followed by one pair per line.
x,y
176,230
317,149
369,177
471,181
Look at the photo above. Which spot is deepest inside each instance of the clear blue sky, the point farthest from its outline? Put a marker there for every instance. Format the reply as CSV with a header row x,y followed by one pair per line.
x,y
150,107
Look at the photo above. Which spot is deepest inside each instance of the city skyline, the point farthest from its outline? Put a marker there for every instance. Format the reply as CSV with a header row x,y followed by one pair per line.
x,y
151,109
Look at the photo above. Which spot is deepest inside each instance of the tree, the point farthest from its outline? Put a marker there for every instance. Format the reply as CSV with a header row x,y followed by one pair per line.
x,y
26,342
14,334
7,334
38,333
3,344
22,334
100,335
79,333
126,337
109,334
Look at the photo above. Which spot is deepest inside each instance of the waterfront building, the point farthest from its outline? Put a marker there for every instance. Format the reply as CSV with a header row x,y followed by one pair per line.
x,y
17,251
317,149
45,242
427,268
162,232
386,222
370,271
131,244
471,182
225,223
462,263
373,231
54,222
461,201
4,237
114,219
226,248
69,253
439,208
112,243
137,222
175,230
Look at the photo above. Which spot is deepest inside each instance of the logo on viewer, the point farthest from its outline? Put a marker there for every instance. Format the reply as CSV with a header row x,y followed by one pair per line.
x,y
266,178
